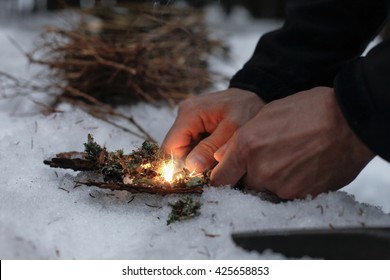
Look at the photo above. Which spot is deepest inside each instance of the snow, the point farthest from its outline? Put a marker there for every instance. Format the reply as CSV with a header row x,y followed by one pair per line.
x,y
42,215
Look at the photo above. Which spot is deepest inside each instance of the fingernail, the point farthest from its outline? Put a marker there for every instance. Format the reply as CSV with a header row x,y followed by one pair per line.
x,y
220,152
197,163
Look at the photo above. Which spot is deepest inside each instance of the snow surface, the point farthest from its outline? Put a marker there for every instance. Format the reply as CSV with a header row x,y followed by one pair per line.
x,y
43,217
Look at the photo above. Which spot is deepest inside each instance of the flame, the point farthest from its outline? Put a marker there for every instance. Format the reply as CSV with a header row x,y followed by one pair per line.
x,y
167,170
146,165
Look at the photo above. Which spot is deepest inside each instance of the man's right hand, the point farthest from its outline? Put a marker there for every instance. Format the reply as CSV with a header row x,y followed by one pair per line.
x,y
205,123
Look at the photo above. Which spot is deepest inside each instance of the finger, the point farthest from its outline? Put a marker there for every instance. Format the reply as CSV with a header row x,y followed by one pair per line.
x,y
249,181
218,155
177,142
202,156
184,131
230,169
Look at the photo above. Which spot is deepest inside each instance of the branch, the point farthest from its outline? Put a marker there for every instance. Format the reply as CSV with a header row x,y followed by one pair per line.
x,y
142,188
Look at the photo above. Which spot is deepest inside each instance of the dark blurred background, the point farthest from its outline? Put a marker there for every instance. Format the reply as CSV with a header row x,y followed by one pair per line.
x,y
258,8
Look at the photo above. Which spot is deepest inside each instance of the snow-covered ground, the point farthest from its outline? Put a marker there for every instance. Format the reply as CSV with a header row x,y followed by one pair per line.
x,y
43,217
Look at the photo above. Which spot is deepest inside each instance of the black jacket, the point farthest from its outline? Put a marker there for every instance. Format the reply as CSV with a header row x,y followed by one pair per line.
x,y
320,44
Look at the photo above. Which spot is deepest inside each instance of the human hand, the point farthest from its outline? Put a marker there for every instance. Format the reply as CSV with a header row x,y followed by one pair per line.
x,y
218,115
293,147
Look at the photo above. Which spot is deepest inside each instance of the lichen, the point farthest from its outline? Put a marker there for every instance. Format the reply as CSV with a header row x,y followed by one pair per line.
x,y
183,209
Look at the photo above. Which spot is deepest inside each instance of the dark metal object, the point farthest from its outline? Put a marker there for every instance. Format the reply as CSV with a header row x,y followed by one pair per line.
x,y
333,244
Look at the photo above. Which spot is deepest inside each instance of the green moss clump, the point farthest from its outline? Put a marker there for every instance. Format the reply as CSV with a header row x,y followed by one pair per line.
x,y
92,148
183,209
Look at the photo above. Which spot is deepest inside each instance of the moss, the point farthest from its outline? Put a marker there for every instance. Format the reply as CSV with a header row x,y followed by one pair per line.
x,y
92,148
183,209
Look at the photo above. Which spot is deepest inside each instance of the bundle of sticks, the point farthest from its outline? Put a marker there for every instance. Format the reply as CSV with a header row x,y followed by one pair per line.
x,y
129,54
107,56
138,172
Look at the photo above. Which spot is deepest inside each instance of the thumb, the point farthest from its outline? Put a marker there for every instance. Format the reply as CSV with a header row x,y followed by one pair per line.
x,y
230,169
218,155
202,156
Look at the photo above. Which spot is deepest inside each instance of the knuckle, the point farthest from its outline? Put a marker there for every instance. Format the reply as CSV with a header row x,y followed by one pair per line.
x,y
263,178
208,146
267,175
188,104
254,183
241,146
231,125
247,144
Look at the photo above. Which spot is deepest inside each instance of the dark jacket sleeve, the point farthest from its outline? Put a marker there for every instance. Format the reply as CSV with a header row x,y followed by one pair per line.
x,y
363,92
319,41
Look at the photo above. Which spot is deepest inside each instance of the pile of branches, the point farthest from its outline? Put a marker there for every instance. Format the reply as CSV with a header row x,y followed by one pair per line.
x,y
121,55
129,54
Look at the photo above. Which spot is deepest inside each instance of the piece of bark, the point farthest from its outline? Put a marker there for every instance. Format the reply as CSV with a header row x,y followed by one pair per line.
x,y
143,188
76,161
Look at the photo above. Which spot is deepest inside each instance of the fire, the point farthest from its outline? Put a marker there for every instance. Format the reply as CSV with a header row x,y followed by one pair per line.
x,y
167,170
172,171
146,165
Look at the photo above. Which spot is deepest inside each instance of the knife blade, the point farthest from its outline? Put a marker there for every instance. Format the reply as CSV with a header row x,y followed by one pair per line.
x,y
335,243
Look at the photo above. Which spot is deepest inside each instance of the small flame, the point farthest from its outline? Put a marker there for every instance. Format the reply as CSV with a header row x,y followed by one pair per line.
x,y
167,171
146,165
